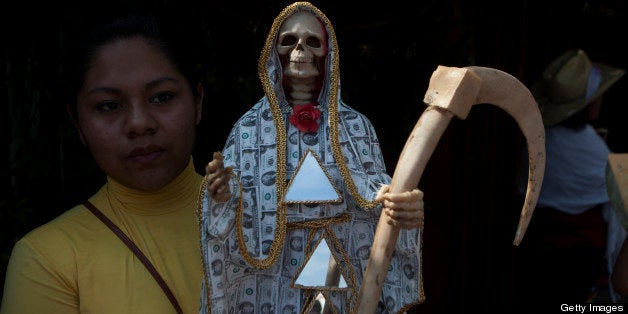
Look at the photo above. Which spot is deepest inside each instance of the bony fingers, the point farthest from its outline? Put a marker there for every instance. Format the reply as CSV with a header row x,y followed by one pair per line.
x,y
220,193
404,215
212,167
222,189
406,224
225,189
216,164
407,196
382,192
218,180
217,156
218,173
413,206
215,186
393,222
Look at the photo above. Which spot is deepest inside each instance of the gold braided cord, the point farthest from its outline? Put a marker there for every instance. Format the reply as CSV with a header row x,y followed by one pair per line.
x,y
327,298
199,220
319,223
309,301
310,238
341,250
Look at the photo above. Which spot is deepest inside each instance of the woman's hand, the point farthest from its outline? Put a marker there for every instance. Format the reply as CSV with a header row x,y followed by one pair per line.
x,y
218,179
405,210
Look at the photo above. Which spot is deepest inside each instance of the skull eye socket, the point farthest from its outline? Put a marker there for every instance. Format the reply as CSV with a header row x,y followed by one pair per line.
x,y
313,42
288,40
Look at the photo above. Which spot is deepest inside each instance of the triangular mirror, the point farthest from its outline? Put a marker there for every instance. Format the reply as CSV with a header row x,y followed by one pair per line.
x,y
311,183
314,273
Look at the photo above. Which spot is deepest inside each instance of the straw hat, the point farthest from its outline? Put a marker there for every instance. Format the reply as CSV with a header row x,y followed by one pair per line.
x,y
570,83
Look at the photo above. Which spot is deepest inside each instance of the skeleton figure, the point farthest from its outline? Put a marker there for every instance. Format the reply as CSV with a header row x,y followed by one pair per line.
x,y
265,239
302,47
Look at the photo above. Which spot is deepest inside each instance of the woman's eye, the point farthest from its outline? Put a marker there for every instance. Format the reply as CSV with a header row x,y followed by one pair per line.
x,y
161,97
108,106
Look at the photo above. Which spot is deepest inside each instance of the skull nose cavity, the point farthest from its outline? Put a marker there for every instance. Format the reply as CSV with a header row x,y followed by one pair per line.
x,y
299,56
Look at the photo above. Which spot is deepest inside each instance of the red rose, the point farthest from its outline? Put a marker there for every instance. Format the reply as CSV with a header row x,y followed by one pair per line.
x,y
304,117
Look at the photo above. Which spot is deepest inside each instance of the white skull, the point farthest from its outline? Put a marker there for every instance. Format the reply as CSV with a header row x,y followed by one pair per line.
x,y
302,47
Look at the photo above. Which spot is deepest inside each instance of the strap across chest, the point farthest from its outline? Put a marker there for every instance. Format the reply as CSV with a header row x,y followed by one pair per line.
x,y
136,250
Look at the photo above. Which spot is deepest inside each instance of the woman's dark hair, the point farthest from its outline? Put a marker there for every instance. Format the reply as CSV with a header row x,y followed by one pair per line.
x,y
178,48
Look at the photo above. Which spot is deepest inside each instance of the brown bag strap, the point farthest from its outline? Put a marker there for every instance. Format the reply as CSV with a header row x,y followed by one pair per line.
x,y
137,252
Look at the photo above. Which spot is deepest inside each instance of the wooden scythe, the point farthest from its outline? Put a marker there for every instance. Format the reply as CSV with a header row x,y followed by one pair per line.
x,y
452,91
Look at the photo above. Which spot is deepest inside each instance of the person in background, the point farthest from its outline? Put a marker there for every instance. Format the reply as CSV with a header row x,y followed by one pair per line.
x,y
135,100
574,231
305,172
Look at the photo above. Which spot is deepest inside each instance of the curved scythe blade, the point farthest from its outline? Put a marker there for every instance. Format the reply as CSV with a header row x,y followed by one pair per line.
x,y
506,92
453,91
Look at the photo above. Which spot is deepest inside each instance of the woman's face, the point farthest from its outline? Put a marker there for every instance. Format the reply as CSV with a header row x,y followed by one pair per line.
x,y
137,114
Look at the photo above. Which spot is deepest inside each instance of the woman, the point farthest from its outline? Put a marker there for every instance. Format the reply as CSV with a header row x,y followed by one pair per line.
x,y
308,186
135,107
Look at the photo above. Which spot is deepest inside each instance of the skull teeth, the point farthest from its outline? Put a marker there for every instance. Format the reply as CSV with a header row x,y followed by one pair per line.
x,y
301,58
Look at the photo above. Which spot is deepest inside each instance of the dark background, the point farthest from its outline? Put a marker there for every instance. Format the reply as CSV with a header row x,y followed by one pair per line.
x,y
388,51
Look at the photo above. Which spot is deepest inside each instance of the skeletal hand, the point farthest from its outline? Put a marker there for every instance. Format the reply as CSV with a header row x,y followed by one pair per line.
x,y
404,210
218,179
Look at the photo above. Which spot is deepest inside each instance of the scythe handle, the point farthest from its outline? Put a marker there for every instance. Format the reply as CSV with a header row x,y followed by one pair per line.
x,y
412,161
